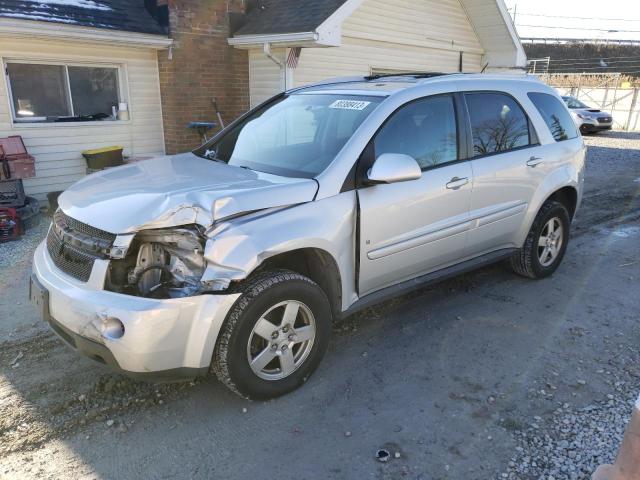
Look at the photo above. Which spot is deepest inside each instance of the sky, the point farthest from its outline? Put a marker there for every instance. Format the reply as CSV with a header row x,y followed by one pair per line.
x,y
600,19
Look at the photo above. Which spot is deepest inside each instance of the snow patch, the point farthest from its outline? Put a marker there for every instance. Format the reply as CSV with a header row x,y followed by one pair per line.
x,y
90,4
626,232
44,18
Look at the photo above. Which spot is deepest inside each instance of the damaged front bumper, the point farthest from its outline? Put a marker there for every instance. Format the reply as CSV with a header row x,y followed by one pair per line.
x,y
168,339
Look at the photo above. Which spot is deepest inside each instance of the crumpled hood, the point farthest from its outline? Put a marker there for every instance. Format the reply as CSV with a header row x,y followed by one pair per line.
x,y
177,190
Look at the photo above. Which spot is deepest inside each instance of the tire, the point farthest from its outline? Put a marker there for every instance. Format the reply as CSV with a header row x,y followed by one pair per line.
x,y
530,261
266,298
29,213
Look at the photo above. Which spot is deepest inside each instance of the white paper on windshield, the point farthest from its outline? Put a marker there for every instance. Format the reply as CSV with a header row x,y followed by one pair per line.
x,y
350,104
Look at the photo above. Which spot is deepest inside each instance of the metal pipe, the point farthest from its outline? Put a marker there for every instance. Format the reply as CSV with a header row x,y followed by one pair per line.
x,y
266,48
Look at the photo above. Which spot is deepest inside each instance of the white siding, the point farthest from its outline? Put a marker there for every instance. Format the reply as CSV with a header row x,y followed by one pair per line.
x,y
266,78
57,147
494,27
427,35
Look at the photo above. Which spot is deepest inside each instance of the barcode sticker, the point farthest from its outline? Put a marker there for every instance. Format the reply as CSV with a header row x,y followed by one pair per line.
x,y
350,104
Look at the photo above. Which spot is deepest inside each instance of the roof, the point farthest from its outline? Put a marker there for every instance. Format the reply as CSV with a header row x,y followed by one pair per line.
x,y
288,16
125,15
388,84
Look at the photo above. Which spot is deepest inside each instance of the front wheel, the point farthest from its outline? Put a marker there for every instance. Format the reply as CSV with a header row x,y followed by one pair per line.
x,y
274,336
545,244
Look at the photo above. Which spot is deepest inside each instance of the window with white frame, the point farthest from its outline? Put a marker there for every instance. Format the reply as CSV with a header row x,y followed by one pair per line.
x,y
48,92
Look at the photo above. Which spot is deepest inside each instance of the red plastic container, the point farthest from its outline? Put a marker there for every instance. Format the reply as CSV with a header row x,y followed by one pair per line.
x,y
10,227
22,167
13,146
16,163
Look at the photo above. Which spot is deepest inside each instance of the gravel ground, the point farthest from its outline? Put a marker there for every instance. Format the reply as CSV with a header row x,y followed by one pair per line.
x,y
12,253
572,441
485,376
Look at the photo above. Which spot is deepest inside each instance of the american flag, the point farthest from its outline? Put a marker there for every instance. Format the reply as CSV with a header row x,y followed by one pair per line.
x,y
293,57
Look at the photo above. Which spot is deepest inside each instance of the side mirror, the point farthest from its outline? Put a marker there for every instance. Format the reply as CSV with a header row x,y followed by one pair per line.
x,y
394,168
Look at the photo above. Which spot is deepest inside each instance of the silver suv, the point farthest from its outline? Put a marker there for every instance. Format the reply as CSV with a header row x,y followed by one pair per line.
x,y
237,257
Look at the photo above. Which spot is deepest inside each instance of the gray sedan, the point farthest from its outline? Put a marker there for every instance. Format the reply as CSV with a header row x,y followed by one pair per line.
x,y
590,120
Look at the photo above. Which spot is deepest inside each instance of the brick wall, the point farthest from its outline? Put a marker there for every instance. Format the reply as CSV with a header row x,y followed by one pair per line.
x,y
200,66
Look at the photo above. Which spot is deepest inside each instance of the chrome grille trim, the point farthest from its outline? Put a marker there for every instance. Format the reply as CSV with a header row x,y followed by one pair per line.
x,y
75,246
66,222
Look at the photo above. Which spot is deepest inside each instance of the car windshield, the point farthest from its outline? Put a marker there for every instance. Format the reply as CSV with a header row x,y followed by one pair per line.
x,y
296,136
573,102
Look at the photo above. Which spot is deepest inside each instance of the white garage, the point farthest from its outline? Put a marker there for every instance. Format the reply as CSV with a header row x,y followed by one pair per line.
x,y
295,42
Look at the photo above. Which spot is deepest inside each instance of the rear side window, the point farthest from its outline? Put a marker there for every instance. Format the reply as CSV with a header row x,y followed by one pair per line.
x,y
498,123
424,129
556,116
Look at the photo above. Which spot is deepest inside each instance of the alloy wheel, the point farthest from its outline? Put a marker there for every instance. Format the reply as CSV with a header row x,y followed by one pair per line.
x,y
550,242
281,340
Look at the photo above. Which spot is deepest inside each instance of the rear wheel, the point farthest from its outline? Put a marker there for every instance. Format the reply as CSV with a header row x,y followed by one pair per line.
x,y
274,336
546,243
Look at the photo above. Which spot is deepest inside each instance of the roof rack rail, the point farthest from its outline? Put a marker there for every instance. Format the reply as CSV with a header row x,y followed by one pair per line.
x,y
405,74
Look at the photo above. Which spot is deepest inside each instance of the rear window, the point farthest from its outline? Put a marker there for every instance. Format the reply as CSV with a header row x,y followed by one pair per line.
x,y
556,116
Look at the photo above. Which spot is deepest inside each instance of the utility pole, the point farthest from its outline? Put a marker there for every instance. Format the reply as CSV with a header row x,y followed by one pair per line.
x,y
515,12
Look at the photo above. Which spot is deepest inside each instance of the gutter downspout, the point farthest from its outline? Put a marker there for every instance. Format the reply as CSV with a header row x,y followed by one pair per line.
x,y
266,49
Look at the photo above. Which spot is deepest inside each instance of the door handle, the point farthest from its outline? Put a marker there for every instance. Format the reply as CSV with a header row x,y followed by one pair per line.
x,y
534,161
457,183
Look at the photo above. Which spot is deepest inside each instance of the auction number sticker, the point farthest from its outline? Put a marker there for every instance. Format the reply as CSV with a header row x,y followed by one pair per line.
x,y
350,104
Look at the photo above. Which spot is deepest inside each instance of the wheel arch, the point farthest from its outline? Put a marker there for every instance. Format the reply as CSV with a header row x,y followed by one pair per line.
x,y
316,264
568,196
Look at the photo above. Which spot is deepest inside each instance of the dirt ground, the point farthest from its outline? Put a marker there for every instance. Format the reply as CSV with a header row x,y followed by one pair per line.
x,y
454,380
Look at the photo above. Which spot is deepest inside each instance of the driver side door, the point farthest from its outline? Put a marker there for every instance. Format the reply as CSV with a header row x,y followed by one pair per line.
x,y
411,228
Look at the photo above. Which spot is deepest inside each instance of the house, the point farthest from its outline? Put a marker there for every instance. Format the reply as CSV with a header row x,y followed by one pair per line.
x,y
66,63
295,42
69,62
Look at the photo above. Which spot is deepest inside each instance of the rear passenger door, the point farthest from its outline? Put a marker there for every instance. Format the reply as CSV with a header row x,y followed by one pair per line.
x,y
507,165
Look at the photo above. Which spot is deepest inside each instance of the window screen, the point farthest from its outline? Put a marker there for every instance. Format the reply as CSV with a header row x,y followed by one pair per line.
x,y
424,130
39,90
556,116
43,92
498,123
93,90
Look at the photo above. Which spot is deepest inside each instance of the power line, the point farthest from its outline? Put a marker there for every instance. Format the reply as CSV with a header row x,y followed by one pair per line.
x,y
578,18
612,30
613,59
589,61
611,68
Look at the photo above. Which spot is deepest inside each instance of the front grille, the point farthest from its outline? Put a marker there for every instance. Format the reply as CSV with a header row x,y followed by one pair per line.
x,y
604,119
74,246
69,259
66,222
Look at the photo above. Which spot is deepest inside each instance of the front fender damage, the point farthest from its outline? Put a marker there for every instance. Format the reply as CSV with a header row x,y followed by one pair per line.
x,y
237,248
191,260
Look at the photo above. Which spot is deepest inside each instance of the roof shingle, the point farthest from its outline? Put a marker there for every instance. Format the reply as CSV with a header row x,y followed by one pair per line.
x,y
126,15
287,16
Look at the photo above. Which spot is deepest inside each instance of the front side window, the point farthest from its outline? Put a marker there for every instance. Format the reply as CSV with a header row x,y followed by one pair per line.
x,y
555,116
424,129
296,136
55,93
498,123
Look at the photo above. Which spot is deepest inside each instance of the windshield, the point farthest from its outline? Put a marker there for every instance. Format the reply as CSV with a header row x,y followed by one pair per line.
x,y
573,102
297,136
